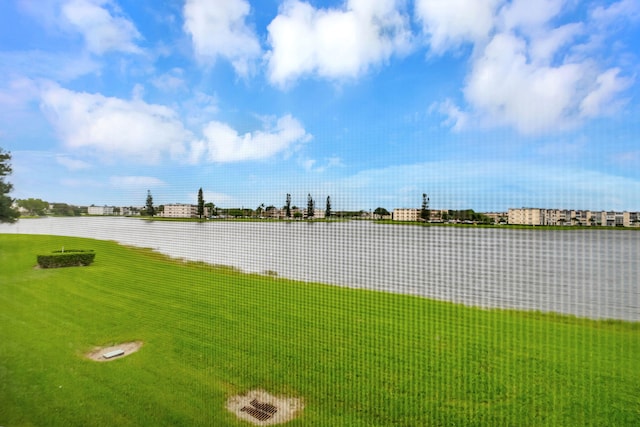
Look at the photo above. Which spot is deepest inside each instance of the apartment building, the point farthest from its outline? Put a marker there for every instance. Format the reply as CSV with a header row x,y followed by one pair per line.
x,y
100,210
406,214
182,210
537,216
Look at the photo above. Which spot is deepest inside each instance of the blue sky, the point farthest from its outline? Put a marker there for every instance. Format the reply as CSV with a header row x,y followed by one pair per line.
x,y
482,104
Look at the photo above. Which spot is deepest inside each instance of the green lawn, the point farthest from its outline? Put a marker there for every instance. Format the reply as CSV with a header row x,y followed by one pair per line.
x,y
355,357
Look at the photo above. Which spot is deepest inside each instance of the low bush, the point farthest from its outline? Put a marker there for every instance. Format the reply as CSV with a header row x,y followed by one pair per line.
x,y
66,258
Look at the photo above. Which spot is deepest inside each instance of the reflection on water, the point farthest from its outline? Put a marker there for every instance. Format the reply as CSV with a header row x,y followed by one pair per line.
x,y
591,273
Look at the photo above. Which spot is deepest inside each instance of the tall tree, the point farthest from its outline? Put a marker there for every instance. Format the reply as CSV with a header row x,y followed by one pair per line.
x,y
287,206
200,203
7,213
151,211
327,211
310,207
424,212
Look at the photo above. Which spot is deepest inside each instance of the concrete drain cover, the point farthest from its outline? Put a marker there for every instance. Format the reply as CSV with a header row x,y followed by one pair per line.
x,y
260,411
260,408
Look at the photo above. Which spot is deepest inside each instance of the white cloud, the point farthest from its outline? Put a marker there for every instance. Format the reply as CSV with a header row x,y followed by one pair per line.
x,y
112,126
18,93
621,10
222,143
451,23
217,199
170,81
528,15
129,182
601,99
334,43
101,26
311,165
72,164
40,64
525,72
546,44
507,89
218,29
455,117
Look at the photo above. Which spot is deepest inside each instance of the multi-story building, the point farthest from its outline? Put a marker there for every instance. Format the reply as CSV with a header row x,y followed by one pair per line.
x,y
631,219
182,210
526,216
100,210
406,214
536,216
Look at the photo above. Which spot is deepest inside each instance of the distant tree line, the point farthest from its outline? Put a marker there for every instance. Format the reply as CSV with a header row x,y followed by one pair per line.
x,y
466,215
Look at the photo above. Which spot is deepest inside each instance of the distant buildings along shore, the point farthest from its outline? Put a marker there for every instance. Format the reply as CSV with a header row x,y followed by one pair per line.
x,y
514,216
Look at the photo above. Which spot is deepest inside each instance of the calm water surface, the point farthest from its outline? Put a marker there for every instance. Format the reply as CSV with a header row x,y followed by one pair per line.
x,y
590,273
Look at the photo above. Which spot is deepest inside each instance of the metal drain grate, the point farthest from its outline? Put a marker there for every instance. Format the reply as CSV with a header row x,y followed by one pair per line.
x,y
260,411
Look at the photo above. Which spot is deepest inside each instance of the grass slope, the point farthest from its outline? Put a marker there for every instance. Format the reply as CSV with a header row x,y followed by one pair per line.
x,y
356,357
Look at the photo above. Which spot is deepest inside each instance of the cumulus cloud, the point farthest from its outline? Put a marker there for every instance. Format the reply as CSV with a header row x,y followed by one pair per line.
x,y
601,99
112,126
508,89
525,71
451,23
528,15
218,29
101,25
334,43
222,143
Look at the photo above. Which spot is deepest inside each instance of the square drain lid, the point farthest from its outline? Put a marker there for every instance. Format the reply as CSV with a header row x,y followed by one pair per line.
x,y
260,411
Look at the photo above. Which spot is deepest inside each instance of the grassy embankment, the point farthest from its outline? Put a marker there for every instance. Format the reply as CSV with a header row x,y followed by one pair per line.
x,y
356,357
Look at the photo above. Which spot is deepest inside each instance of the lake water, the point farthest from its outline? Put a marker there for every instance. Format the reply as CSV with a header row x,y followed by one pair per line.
x,y
589,273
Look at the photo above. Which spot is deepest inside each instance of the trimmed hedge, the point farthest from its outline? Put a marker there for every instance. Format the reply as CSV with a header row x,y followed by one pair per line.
x,y
68,258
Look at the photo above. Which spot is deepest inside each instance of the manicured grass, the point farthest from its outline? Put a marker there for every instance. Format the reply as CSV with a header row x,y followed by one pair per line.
x,y
355,357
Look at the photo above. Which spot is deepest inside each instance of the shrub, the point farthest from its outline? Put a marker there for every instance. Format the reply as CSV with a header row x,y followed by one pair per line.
x,y
66,258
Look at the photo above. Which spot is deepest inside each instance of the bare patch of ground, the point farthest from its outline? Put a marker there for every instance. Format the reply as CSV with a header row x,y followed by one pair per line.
x,y
263,409
98,353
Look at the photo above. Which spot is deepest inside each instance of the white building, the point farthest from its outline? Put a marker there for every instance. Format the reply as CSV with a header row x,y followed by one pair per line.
x,y
182,210
100,210
406,214
537,216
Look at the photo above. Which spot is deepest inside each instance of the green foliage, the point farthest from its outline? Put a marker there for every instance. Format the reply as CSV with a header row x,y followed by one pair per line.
x,y
212,208
63,209
381,212
287,206
327,211
236,213
7,212
150,210
425,214
310,207
34,207
466,215
200,203
67,258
